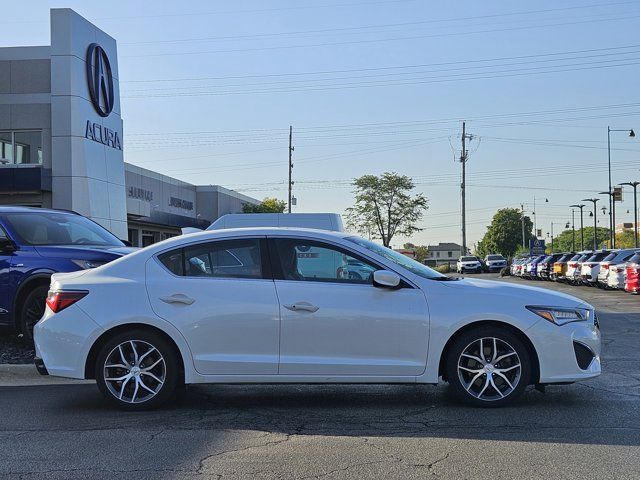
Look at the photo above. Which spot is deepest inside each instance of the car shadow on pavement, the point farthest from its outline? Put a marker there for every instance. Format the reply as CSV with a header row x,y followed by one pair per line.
x,y
585,413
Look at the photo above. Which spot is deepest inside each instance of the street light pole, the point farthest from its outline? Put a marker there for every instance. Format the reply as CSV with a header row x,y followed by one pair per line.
x,y
535,215
595,221
635,211
612,203
581,206
612,236
522,208
573,230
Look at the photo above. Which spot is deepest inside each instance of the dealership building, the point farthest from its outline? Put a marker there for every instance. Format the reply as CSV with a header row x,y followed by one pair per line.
x,y
61,141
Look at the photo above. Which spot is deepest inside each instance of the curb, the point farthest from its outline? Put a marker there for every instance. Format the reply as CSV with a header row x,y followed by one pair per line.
x,y
26,376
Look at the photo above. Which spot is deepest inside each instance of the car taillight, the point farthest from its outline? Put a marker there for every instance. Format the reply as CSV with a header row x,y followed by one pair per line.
x,y
605,266
58,301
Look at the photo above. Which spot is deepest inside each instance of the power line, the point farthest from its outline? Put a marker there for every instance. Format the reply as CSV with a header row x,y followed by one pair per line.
x,y
379,40
387,83
367,27
352,70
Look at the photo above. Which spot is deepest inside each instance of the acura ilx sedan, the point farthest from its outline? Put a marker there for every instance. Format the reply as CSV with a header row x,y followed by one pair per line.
x,y
269,305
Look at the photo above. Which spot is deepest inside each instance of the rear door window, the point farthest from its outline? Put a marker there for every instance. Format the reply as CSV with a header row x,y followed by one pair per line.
x,y
238,258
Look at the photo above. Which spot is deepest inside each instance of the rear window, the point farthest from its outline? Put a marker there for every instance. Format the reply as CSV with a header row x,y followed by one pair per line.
x,y
598,257
611,256
635,258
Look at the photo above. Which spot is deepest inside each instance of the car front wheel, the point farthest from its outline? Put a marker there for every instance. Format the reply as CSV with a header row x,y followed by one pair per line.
x,y
137,370
488,367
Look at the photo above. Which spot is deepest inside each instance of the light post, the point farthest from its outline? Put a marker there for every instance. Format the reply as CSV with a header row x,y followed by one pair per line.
x,y
635,211
612,203
522,218
612,236
535,220
581,206
595,214
573,230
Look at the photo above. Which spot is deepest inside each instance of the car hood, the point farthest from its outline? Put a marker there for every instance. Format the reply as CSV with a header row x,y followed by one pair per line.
x,y
527,294
82,252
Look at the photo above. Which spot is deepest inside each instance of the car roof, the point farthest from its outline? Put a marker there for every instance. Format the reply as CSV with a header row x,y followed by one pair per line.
x,y
248,231
20,209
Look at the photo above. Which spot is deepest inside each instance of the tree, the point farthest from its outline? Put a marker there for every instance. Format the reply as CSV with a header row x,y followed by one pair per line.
x,y
384,207
564,241
268,205
504,235
422,251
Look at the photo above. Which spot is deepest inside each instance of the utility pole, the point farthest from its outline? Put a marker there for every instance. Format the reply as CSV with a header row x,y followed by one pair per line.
x,y
291,149
463,161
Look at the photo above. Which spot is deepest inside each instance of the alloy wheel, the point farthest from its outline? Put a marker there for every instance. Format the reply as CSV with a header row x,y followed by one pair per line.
x,y
135,371
489,369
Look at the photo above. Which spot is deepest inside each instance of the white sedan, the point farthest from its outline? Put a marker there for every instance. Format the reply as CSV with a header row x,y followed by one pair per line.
x,y
269,305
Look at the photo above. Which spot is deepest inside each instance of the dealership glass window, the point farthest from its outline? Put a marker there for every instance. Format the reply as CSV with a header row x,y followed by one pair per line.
x,y
21,147
6,147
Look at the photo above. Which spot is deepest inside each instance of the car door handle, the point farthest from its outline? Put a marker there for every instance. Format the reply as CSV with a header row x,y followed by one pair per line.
x,y
178,298
301,307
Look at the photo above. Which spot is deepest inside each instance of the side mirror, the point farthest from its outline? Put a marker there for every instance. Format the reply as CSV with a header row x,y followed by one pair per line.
x,y
7,245
386,279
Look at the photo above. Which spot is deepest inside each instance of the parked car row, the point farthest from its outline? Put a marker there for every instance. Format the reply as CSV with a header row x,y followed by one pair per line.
x,y
607,269
491,263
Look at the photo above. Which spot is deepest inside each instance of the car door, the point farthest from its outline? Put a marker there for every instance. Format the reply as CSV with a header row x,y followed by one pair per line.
x,y
221,296
337,324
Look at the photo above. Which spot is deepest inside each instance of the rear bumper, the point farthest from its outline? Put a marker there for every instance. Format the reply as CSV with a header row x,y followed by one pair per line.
x,y
63,340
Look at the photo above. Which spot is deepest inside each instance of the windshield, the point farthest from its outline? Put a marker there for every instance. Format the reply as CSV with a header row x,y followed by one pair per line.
x,y
468,259
48,228
495,257
398,258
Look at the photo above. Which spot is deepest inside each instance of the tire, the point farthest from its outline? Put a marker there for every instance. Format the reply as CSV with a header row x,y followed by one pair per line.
x,y
156,357
32,311
488,388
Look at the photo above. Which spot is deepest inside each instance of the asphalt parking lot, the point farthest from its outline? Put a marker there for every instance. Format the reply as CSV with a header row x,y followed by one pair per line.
x,y
586,430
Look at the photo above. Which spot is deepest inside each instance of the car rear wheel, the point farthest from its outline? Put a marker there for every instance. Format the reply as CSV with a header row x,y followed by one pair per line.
x,y
137,370
488,367
32,311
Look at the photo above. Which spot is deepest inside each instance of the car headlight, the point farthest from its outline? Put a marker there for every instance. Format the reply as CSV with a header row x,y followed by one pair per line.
x,y
559,315
86,264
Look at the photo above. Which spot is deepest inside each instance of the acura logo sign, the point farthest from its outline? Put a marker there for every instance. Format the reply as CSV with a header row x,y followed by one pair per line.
x,y
100,80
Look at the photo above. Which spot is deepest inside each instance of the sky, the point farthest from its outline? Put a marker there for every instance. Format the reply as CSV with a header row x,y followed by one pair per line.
x,y
210,88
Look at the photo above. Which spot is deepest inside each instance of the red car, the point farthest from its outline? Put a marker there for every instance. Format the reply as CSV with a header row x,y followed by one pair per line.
x,y
632,282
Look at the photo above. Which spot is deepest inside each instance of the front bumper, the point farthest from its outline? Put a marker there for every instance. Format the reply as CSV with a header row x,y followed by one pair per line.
x,y
559,358
496,267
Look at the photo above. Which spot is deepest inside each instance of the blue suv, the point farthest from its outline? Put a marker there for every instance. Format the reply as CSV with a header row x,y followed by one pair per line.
x,y
34,244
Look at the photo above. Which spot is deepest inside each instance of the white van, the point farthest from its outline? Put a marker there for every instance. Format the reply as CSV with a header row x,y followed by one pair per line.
x,y
320,221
